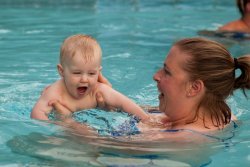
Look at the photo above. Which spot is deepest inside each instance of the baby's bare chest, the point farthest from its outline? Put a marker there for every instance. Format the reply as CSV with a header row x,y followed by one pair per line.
x,y
88,102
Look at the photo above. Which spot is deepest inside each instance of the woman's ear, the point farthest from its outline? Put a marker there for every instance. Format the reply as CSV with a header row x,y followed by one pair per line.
x,y
195,88
247,8
60,69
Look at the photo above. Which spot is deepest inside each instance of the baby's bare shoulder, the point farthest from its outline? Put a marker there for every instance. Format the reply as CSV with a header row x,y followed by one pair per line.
x,y
53,91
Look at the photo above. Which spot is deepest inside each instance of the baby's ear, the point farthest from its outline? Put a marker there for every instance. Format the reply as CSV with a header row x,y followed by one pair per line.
x,y
60,69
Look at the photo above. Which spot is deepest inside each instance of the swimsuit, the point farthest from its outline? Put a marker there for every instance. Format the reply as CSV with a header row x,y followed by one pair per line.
x,y
225,140
226,34
204,134
130,128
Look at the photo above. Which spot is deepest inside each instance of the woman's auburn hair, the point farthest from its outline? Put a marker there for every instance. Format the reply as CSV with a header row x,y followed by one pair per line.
x,y
210,62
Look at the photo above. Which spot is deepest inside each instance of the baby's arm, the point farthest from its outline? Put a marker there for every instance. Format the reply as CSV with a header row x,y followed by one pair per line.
x,y
115,99
150,109
42,108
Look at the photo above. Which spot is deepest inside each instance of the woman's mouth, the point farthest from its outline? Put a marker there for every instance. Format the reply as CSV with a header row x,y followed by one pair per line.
x,y
81,90
162,102
161,95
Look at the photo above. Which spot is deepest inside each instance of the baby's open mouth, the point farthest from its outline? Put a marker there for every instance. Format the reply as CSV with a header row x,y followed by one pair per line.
x,y
82,89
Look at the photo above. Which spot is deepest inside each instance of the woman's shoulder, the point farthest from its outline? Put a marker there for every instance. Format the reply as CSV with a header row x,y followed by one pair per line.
x,y
231,24
234,26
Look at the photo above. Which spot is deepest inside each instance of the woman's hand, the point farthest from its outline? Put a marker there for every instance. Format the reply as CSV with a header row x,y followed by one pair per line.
x,y
61,111
65,115
99,97
103,80
101,103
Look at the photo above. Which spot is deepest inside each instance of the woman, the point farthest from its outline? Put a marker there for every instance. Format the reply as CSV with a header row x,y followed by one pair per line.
x,y
242,24
196,78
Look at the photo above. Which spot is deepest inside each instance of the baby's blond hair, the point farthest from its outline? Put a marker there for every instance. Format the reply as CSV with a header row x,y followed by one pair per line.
x,y
86,45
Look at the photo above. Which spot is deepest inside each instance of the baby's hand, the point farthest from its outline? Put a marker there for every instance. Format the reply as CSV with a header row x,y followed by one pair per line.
x,y
153,121
157,121
150,109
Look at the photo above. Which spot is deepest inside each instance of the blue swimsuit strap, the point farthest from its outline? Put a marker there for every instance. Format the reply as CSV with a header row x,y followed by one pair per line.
x,y
193,131
200,133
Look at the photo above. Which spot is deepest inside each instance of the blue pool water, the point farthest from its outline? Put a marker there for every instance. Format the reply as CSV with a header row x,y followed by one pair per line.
x,y
135,36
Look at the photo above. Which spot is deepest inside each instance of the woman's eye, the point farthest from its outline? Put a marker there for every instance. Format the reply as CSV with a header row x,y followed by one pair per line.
x,y
167,72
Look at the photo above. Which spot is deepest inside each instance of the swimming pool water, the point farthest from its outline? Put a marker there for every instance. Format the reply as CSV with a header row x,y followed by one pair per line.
x,y
135,36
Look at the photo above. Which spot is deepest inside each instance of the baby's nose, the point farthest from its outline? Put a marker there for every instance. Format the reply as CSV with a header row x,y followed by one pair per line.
x,y
84,78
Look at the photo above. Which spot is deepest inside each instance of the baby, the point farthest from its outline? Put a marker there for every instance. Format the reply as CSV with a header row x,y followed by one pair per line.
x,y
78,88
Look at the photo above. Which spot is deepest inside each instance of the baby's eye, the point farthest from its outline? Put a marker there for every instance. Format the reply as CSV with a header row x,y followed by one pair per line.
x,y
92,73
76,72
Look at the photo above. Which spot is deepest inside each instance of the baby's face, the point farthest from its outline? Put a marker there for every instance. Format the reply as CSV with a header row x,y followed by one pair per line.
x,y
80,77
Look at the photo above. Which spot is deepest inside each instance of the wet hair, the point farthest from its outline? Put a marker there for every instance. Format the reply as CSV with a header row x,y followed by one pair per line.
x,y
86,45
210,62
241,4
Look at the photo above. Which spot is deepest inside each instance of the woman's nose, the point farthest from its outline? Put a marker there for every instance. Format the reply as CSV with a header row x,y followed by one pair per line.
x,y
156,76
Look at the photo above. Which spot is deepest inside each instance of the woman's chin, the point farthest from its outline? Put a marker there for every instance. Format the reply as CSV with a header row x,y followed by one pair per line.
x,y
161,108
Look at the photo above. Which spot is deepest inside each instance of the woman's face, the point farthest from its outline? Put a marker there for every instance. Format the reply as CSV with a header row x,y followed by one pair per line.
x,y
172,83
